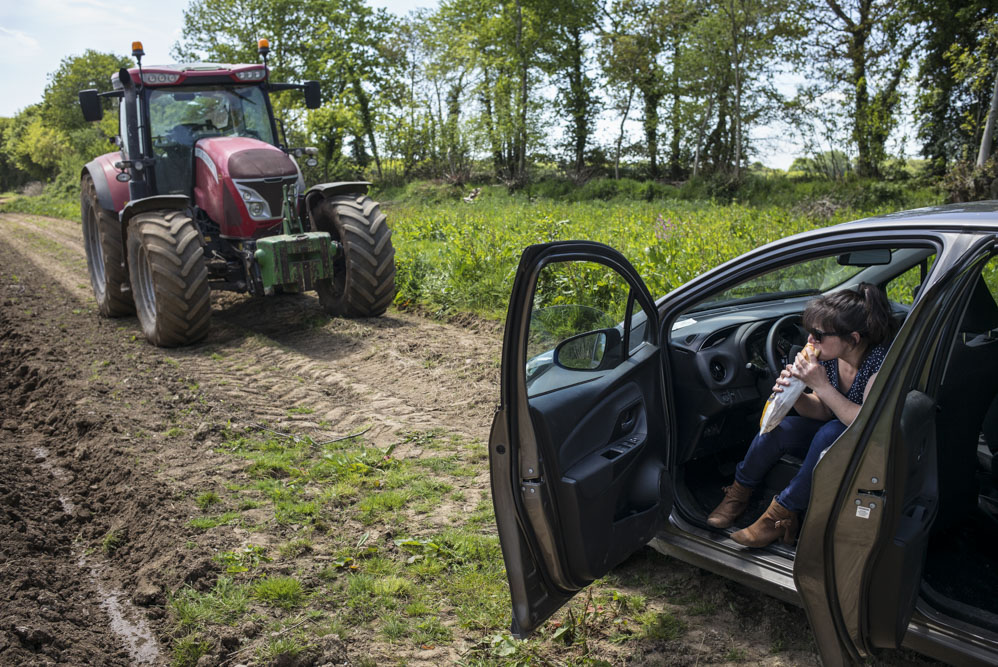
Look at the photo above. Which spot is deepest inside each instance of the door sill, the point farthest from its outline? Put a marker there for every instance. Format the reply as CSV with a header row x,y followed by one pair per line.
x,y
768,570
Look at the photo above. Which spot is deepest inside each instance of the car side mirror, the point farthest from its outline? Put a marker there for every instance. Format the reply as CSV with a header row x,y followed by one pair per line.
x,y
90,103
313,96
590,351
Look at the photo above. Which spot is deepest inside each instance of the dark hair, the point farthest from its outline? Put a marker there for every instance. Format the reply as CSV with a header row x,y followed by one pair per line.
x,y
864,310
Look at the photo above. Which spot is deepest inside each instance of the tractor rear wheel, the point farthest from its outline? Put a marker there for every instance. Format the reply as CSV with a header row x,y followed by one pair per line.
x,y
169,277
363,282
105,254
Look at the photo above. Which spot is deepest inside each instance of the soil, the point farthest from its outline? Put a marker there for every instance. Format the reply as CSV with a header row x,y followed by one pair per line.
x,y
93,536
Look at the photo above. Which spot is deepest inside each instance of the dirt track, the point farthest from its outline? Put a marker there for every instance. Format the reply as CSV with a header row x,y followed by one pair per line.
x,y
95,499
85,402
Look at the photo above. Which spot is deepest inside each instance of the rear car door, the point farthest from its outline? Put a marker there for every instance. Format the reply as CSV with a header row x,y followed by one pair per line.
x,y
875,493
578,445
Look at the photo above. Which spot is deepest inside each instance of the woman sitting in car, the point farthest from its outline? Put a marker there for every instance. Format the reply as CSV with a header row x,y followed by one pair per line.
x,y
850,331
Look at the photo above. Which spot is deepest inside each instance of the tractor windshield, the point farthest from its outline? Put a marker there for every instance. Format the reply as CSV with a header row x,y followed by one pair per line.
x,y
178,117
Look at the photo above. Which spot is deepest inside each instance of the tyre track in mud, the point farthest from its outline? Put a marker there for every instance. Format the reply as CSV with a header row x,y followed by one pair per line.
x,y
280,353
61,482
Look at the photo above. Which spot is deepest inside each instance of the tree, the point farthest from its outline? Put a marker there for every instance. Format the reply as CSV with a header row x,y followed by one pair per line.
x,y
975,70
33,146
863,50
60,108
631,49
943,103
565,59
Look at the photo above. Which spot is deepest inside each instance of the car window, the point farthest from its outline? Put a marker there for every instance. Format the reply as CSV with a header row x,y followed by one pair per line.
x,y
802,279
990,275
904,288
576,325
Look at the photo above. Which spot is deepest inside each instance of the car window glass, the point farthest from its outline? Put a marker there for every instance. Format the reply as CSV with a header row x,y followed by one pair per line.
x,y
802,279
576,325
990,275
638,327
904,288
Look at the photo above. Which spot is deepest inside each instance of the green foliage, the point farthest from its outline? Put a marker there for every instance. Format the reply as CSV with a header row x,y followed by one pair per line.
x,y
663,625
207,499
454,257
92,70
188,649
241,560
33,146
284,592
224,604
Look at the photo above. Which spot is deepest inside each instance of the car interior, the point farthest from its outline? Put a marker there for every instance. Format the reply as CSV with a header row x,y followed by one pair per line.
x,y
725,357
961,568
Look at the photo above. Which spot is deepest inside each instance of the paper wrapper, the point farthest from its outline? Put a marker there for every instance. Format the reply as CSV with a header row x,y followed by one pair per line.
x,y
779,404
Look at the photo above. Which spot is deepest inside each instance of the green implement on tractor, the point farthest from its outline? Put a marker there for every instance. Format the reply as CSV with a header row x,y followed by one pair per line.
x,y
295,260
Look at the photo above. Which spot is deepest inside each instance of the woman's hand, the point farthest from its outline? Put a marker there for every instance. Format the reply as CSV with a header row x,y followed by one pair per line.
x,y
810,370
783,380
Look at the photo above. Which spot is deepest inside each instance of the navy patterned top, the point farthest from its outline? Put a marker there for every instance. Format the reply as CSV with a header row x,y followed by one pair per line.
x,y
871,364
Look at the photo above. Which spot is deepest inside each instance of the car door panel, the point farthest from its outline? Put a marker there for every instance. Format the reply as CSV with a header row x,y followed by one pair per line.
x,y
902,558
578,472
607,475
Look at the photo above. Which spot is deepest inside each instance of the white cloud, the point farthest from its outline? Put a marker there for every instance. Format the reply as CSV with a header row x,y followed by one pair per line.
x,y
15,40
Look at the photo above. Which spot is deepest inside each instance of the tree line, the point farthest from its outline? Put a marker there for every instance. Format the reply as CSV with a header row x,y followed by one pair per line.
x,y
508,90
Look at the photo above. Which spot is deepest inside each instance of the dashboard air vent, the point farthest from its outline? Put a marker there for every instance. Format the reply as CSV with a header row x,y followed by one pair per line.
x,y
717,370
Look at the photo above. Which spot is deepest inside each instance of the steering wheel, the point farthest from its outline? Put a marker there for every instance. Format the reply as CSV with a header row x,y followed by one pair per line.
x,y
785,333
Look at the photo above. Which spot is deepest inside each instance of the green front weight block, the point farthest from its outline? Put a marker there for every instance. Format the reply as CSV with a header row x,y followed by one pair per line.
x,y
296,260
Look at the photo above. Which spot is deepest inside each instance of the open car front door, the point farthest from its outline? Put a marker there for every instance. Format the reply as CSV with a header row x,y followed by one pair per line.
x,y
578,446
875,494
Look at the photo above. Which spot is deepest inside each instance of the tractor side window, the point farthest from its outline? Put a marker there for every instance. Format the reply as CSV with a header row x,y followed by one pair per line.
x,y
123,129
576,325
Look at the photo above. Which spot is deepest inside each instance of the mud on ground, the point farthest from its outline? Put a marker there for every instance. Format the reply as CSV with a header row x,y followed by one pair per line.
x,y
107,443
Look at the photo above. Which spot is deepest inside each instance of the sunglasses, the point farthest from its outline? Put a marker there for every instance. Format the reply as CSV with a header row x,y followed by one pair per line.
x,y
818,334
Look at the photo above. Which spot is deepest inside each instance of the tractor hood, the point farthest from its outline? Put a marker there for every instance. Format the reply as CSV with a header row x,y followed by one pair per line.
x,y
244,158
239,182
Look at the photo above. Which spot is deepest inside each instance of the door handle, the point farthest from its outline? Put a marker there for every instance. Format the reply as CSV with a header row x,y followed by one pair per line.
x,y
625,421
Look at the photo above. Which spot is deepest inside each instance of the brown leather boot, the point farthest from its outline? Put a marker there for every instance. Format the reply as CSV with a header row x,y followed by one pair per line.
x,y
776,522
735,501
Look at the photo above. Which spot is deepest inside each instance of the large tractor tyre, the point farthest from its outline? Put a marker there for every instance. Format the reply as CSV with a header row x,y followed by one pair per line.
x,y
363,282
105,254
169,278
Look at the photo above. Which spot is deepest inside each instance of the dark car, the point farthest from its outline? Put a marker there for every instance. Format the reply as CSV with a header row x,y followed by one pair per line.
x,y
622,417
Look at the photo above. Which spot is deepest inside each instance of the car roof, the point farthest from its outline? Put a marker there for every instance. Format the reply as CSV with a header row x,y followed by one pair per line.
x,y
969,214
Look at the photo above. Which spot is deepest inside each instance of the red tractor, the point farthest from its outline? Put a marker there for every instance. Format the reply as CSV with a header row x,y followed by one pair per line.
x,y
202,196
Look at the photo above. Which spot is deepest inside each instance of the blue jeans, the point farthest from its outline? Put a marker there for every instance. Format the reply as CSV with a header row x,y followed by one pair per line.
x,y
797,436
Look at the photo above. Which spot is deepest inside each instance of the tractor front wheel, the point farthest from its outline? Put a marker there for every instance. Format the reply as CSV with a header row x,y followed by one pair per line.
x,y
169,278
363,281
105,254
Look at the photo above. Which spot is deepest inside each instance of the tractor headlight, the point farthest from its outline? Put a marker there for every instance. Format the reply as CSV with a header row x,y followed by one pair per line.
x,y
252,75
153,78
255,204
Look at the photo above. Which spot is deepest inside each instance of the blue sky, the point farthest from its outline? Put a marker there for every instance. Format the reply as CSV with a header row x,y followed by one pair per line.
x,y
35,35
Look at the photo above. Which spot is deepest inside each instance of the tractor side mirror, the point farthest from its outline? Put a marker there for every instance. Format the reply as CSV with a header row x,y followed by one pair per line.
x,y
313,96
90,103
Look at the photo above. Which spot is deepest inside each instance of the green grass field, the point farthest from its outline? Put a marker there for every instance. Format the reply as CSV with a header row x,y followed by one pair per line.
x,y
457,257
